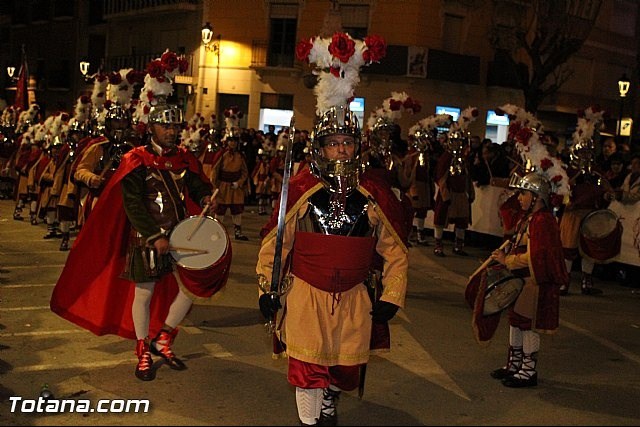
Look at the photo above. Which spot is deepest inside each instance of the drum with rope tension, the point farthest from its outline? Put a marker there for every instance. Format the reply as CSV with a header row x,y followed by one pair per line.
x,y
201,248
601,235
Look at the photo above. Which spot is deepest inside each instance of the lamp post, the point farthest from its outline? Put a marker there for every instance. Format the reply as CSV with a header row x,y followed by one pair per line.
x,y
211,44
623,88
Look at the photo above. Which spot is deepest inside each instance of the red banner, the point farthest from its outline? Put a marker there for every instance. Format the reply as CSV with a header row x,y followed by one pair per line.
x,y
22,87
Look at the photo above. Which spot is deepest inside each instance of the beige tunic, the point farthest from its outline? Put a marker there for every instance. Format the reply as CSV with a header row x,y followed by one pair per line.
x,y
231,193
322,328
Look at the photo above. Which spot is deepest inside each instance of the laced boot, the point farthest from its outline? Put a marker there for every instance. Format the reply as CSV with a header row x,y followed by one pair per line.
x,y
144,369
564,289
438,250
238,233
457,248
413,235
329,412
161,346
587,285
51,232
33,218
64,244
422,238
514,362
526,375
17,214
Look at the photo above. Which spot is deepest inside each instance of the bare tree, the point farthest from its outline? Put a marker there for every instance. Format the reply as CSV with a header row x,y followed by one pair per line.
x,y
539,36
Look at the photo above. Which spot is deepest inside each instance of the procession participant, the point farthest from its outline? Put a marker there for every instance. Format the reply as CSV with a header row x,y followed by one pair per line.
x,y
276,170
336,219
34,184
455,192
534,255
102,155
52,180
77,138
230,176
8,150
28,154
127,287
261,181
588,194
388,152
421,192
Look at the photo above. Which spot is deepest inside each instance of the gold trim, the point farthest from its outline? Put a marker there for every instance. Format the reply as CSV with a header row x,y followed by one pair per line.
x,y
384,219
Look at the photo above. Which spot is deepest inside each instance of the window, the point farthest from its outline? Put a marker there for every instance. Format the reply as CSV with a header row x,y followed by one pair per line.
x,y
282,38
355,20
275,109
282,41
63,8
60,77
40,10
452,34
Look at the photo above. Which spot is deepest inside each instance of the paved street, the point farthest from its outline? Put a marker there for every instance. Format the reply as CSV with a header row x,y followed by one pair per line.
x,y
435,374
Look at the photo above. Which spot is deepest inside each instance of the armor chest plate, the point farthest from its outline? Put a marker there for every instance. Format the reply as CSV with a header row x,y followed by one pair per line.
x,y
163,198
331,213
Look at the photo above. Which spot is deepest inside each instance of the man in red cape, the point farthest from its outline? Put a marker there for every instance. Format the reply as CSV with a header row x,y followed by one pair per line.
x,y
536,256
93,291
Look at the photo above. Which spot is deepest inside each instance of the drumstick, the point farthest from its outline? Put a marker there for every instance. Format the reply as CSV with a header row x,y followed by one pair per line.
x,y
190,250
488,260
201,216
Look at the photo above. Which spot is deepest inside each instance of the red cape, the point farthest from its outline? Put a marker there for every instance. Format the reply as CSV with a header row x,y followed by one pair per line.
x,y
549,272
90,292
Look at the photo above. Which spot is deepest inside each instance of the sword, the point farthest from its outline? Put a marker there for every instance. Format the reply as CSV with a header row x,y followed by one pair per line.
x,y
275,289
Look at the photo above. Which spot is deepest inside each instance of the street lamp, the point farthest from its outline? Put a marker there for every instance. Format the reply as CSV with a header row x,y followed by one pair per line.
x,y
207,39
623,88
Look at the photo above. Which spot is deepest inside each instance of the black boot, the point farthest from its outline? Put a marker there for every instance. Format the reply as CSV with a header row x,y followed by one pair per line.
x,y
64,244
457,248
422,238
514,362
329,412
17,214
526,375
587,285
238,233
51,232
33,218
161,346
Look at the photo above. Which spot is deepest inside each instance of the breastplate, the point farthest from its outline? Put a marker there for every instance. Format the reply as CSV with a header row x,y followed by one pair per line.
x,y
163,198
331,213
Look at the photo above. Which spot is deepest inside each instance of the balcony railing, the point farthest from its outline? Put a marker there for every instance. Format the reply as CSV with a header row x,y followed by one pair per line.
x,y
262,58
115,8
139,62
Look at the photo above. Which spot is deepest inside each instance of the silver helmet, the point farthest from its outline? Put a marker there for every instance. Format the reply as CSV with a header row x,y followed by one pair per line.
x,y
582,154
380,138
456,143
339,176
534,182
165,113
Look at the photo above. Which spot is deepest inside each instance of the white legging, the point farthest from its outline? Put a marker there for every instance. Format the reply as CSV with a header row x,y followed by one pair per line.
x,y
140,310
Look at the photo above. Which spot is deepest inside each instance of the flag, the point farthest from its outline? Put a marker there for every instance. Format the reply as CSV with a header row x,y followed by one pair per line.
x,y
22,86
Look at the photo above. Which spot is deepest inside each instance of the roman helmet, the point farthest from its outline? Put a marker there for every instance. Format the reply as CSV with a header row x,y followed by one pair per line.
x,y
535,182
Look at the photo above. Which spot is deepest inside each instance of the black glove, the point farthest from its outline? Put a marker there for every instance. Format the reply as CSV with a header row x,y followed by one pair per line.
x,y
383,311
269,305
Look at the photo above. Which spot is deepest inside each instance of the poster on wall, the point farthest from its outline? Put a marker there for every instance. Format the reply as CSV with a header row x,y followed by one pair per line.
x,y
417,62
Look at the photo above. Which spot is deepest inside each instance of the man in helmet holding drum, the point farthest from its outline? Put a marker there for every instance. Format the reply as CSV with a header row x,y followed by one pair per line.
x,y
128,289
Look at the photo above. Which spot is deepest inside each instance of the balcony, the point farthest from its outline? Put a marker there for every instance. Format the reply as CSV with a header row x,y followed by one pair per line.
x,y
266,63
136,8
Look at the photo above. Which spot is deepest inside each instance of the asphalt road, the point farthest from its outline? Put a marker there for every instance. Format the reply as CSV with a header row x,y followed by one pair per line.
x,y
435,374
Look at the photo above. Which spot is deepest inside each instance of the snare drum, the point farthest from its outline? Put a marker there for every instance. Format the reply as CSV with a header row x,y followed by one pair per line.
x,y
601,235
503,289
201,249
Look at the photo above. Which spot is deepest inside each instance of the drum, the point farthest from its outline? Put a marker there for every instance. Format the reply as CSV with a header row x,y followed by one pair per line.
x,y
201,249
503,289
601,235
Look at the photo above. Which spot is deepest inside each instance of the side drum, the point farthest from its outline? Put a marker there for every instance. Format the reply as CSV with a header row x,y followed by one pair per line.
x,y
503,289
601,235
201,249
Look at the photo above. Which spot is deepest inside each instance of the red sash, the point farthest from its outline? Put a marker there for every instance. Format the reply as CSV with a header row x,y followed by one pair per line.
x,y
332,263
